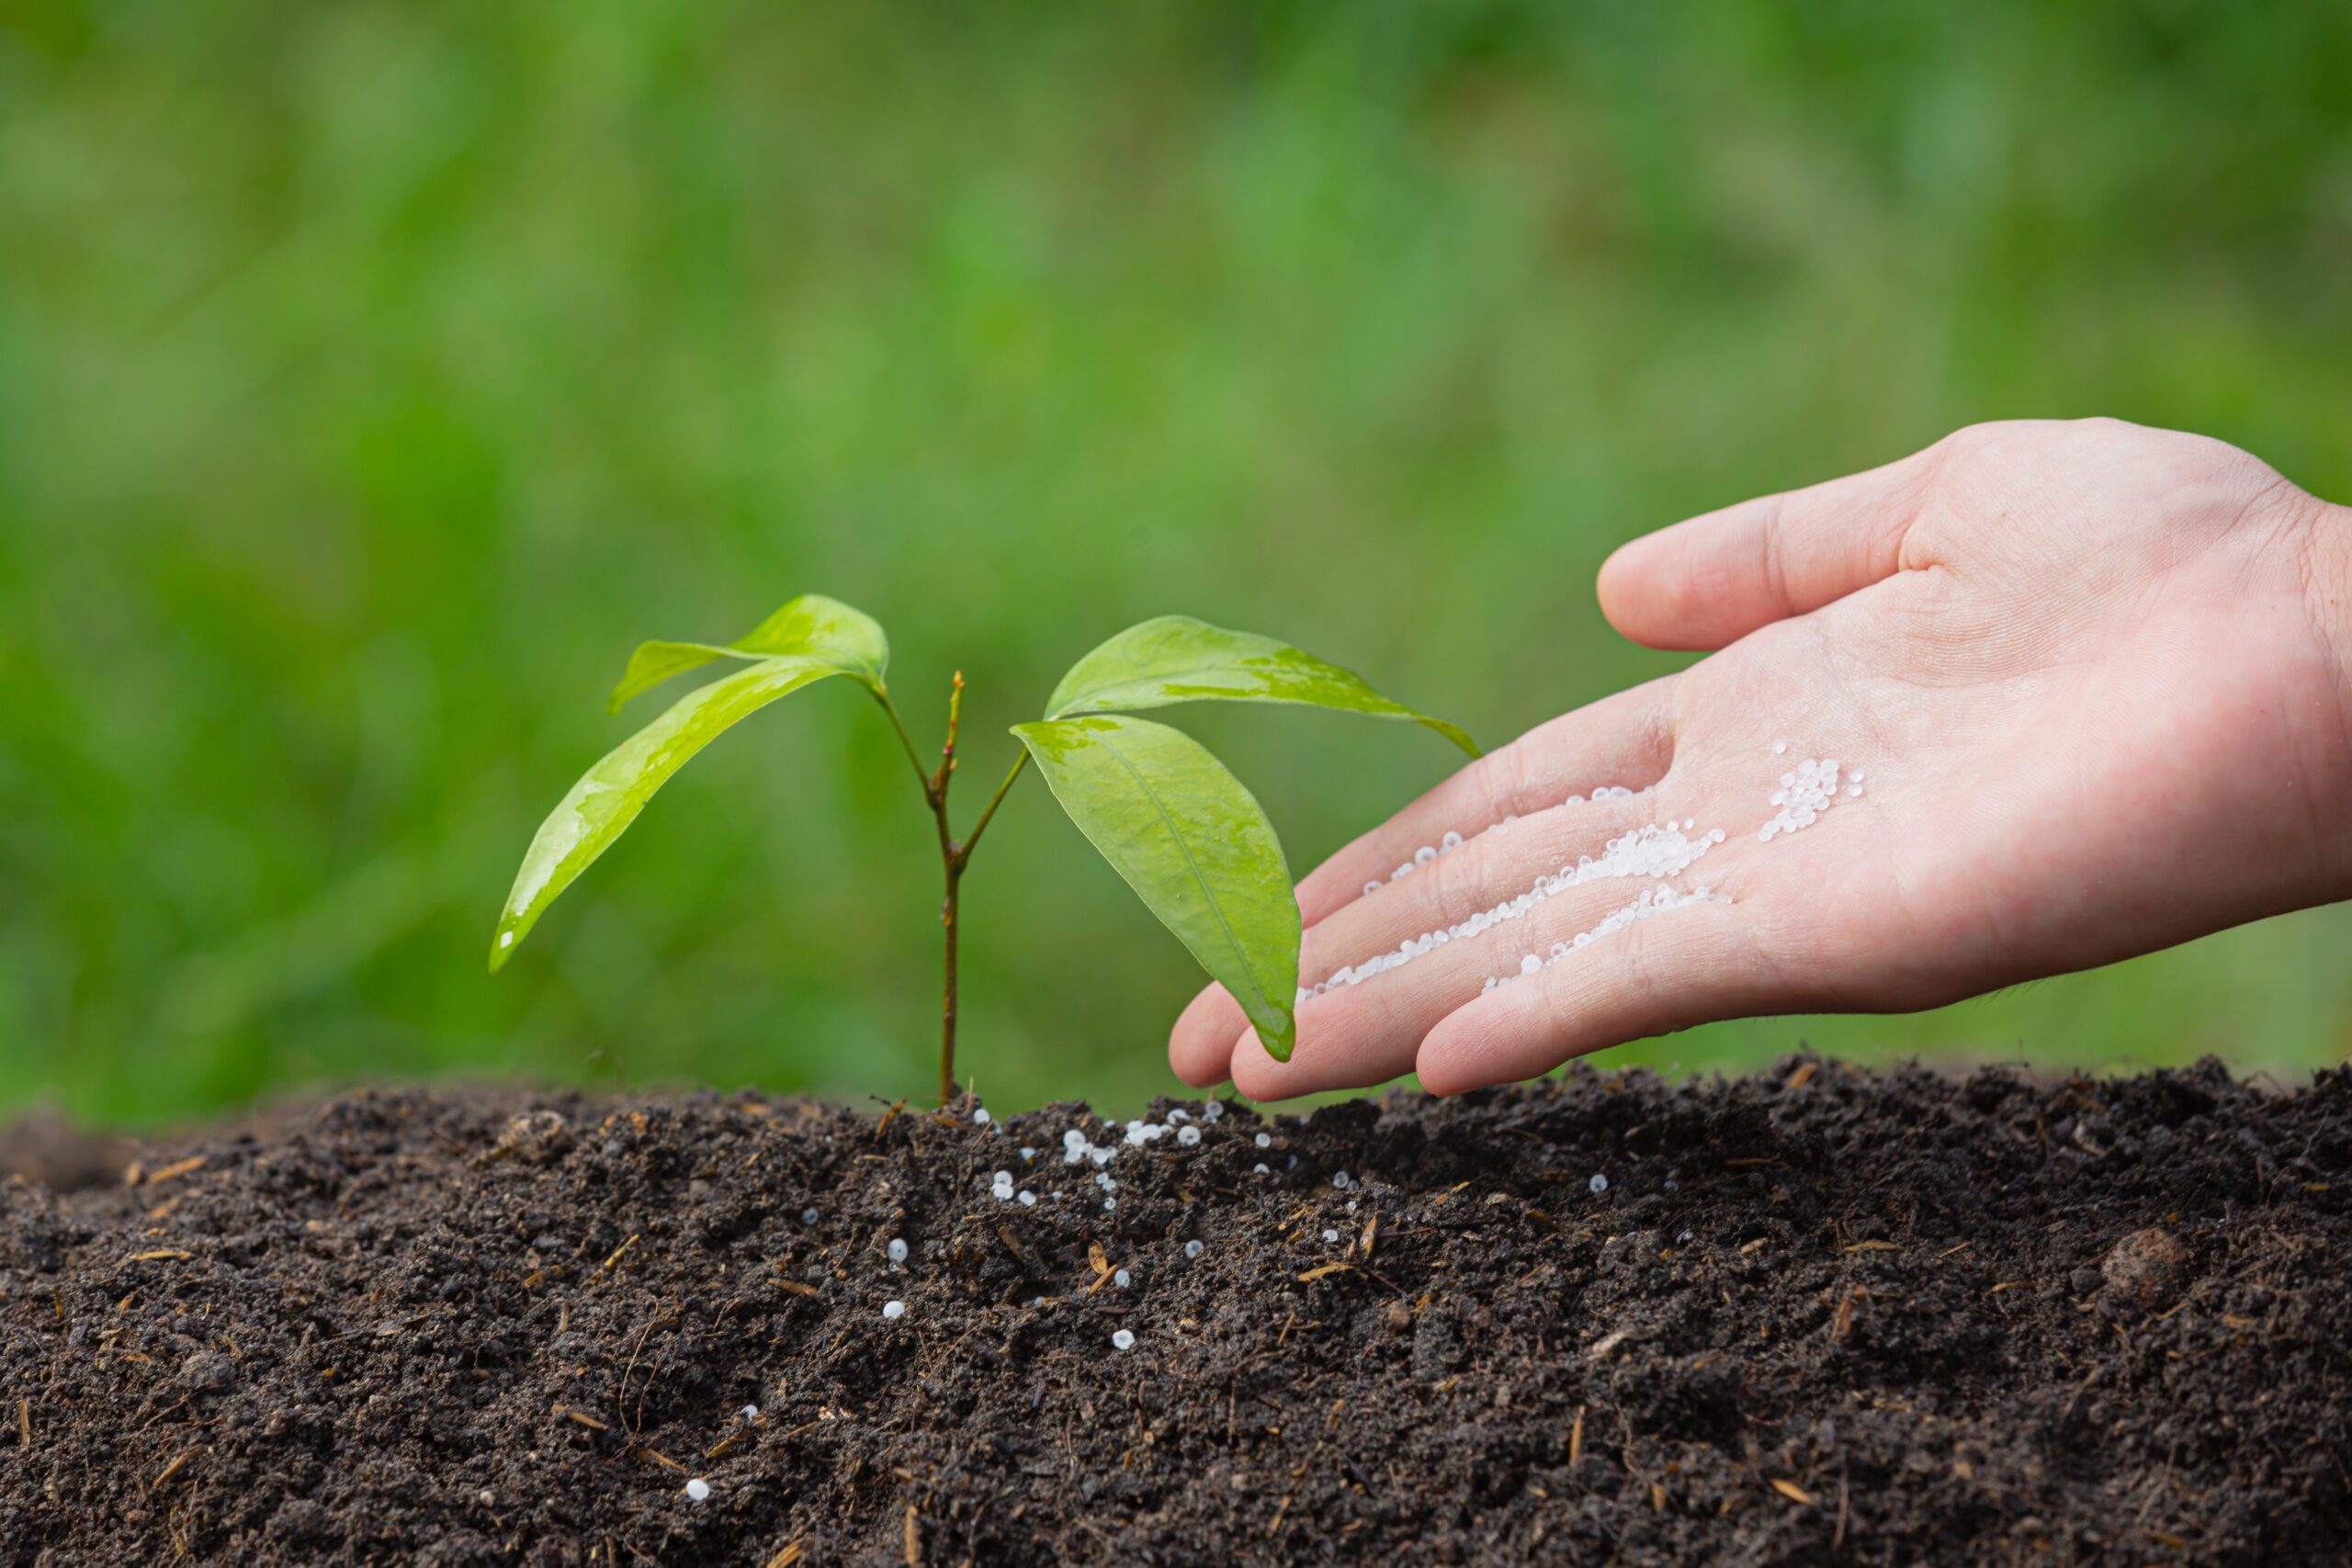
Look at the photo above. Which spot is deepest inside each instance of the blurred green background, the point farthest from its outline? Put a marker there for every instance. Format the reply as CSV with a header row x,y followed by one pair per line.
x,y
373,376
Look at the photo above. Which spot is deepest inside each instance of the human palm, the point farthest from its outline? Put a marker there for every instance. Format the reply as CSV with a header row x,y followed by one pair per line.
x,y
2085,699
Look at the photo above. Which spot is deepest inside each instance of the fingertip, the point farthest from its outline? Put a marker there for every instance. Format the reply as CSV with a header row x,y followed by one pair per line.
x,y
1659,591
1619,587
1511,1033
1444,1062
1196,1069
1259,1076
1200,1045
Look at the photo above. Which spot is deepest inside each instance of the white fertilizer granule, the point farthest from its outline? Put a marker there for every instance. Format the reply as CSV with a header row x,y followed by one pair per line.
x,y
893,1310
1121,1341
1803,797
699,1489
1659,851
1656,901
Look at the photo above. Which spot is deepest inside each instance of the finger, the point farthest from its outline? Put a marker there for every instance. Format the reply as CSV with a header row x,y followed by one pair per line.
x,y
1200,1046
1371,1031
1684,967
1625,740
1475,884
1709,582
1484,871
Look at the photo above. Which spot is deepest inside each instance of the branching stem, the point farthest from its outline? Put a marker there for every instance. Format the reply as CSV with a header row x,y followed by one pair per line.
x,y
995,800
953,854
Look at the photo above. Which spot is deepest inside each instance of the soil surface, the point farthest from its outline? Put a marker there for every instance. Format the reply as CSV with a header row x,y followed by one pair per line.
x,y
1820,1315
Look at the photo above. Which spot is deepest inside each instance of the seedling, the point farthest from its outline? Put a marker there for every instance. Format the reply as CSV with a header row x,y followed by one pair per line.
x,y
1187,837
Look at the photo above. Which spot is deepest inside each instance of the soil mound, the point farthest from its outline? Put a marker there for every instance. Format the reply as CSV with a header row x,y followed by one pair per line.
x,y
1818,1315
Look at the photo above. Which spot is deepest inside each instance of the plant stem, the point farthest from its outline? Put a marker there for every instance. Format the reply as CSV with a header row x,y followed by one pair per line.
x,y
891,708
995,800
947,998
952,858
953,855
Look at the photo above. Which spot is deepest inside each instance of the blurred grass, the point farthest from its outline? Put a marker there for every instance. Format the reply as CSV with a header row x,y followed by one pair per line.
x,y
372,376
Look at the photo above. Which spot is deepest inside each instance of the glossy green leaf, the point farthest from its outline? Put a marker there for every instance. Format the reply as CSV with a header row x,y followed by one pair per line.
x,y
608,797
1176,658
811,626
1193,843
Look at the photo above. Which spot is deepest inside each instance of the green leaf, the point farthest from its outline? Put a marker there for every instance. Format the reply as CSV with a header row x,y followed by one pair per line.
x,y
1193,843
811,626
1176,658
608,797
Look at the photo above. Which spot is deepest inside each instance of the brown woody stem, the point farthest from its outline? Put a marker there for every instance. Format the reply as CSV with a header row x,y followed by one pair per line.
x,y
953,854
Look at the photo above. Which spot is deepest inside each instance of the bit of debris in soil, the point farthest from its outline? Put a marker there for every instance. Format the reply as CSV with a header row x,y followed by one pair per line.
x,y
1817,1316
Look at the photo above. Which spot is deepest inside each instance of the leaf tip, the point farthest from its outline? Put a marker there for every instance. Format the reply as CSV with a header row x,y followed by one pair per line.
x,y
502,946
1284,1039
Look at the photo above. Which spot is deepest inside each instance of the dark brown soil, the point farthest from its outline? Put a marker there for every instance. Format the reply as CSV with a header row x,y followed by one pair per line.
x,y
1819,1316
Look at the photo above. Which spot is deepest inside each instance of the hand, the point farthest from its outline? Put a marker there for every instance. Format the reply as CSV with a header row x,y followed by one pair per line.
x,y
2090,679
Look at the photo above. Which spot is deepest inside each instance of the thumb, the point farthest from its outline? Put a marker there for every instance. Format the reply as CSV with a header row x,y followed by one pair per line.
x,y
1709,582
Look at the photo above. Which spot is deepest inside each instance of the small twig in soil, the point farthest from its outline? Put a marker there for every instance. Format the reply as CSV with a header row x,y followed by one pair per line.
x,y
629,1370
2080,1389
26,1415
176,1168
